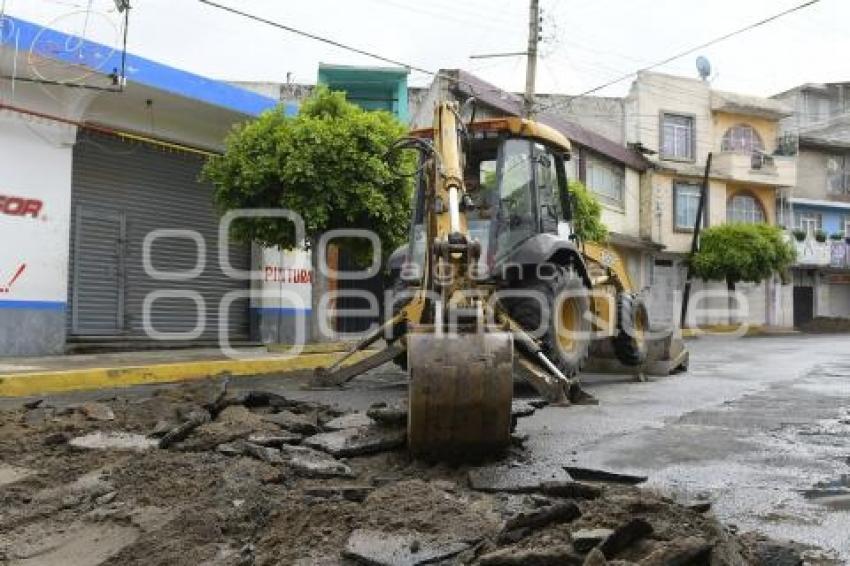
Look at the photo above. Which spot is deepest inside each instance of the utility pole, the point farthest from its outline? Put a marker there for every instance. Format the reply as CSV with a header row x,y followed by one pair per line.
x,y
531,64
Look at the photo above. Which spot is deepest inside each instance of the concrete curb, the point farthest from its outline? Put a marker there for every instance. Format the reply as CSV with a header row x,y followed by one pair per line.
x,y
53,381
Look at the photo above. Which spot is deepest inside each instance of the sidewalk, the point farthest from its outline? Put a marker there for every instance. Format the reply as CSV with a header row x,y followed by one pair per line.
x,y
754,330
22,377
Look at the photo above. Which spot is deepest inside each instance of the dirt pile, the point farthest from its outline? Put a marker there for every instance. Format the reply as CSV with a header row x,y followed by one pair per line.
x,y
195,475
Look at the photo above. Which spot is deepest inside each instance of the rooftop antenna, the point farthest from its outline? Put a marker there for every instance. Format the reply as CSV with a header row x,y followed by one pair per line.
x,y
703,67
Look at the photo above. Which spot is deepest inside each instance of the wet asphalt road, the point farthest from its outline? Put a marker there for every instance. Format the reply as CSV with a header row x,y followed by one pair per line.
x,y
758,426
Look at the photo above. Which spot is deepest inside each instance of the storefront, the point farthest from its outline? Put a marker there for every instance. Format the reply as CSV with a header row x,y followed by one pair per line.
x,y
108,234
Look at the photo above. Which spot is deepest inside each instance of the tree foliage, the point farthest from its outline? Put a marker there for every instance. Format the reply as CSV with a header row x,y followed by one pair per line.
x,y
742,252
329,164
587,214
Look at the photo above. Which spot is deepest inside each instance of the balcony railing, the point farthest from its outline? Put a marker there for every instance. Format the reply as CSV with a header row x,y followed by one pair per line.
x,y
757,167
831,253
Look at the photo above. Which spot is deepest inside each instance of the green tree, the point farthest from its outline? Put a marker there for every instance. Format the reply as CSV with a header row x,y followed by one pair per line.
x,y
329,164
587,214
742,252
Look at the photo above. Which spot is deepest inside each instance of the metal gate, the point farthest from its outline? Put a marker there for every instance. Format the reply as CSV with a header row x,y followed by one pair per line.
x,y
97,305
111,289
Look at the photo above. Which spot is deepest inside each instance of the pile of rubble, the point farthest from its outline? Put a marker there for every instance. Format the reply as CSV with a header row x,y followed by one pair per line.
x,y
197,474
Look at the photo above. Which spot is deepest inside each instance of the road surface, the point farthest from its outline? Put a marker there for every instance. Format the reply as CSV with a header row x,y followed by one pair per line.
x,y
759,426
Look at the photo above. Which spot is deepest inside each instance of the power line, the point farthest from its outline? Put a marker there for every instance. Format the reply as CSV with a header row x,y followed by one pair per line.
x,y
340,45
683,53
319,38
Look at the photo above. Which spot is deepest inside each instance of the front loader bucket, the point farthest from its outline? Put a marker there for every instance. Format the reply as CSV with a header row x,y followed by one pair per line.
x,y
665,355
461,388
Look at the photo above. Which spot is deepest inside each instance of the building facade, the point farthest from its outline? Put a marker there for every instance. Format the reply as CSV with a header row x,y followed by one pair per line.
x,y
109,237
681,120
818,213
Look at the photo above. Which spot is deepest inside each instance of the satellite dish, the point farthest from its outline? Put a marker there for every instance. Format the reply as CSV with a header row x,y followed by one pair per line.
x,y
703,67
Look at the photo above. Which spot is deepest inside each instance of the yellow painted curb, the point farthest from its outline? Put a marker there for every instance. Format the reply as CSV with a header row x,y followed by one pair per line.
x,y
39,383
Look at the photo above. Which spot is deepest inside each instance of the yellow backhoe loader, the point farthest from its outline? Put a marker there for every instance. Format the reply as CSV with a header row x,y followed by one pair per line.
x,y
492,280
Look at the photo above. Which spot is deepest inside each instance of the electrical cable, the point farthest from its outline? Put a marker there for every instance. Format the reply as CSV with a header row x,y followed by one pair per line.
x,y
318,38
340,45
683,53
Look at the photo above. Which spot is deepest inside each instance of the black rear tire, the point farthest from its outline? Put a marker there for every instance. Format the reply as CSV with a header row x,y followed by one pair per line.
x,y
632,323
565,291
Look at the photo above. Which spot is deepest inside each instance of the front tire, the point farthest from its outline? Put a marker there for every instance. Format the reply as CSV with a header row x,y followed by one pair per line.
x,y
561,316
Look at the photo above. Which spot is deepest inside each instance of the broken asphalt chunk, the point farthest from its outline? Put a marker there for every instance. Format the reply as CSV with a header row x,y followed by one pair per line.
x,y
184,429
293,422
355,493
35,403
275,439
586,539
351,420
556,555
514,479
688,551
591,474
558,512
357,441
97,411
113,441
388,416
263,453
390,549
624,536
570,490
700,506
313,463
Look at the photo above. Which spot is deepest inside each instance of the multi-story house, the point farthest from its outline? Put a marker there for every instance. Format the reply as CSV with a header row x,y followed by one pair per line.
x,y
818,212
678,121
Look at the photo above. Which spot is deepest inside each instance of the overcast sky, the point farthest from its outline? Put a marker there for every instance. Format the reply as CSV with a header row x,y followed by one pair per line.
x,y
587,42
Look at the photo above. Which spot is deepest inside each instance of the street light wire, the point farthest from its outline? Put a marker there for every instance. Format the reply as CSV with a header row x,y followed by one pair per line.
x,y
328,41
318,38
680,54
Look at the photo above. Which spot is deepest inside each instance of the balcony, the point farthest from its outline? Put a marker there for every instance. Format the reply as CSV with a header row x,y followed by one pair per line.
x,y
811,253
763,169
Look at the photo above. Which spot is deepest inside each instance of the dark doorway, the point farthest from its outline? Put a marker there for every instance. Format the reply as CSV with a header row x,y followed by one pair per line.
x,y
804,305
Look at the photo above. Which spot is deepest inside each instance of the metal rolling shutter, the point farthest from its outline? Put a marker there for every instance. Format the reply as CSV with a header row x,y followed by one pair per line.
x,y
151,189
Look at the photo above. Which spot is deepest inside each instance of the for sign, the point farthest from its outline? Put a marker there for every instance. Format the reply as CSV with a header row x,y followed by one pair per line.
x,y
20,206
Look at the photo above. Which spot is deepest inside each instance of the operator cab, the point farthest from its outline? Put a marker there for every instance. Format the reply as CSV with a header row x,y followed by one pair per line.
x,y
517,188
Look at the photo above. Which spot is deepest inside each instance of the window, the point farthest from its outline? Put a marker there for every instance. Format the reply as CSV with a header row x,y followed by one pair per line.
x,y
809,222
837,175
743,138
548,189
606,179
677,137
847,226
516,218
744,208
686,200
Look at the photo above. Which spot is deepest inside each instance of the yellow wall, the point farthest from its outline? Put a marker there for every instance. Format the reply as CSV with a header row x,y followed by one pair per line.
x,y
765,195
719,192
766,128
